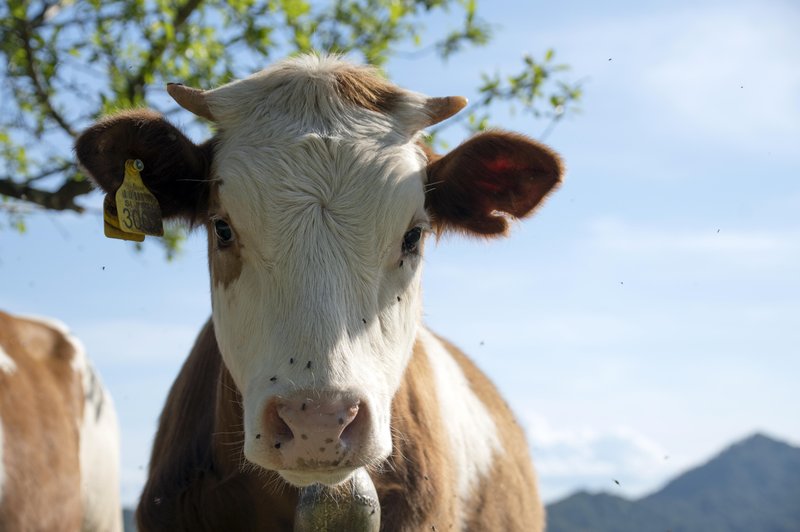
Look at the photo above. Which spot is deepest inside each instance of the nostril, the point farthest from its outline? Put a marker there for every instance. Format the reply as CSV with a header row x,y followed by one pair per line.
x,y
278,428
354,423
345,418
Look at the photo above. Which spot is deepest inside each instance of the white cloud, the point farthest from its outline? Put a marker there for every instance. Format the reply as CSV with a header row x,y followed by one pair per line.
x,y
572,458
721,75
732,72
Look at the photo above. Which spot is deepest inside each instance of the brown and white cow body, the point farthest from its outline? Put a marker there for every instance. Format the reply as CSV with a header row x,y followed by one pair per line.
x,y
317,197
59,441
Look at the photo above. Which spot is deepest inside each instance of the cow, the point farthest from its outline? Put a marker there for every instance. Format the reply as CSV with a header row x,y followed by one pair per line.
x,y
318,194
59,441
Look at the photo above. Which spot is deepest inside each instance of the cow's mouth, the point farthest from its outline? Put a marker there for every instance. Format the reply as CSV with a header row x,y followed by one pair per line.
x,y
307,477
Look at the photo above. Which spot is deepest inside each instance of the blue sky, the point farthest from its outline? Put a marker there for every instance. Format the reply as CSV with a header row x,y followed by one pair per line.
x,y
646,317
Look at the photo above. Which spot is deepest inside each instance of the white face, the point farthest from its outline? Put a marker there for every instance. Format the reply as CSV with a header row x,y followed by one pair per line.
x,y
313,288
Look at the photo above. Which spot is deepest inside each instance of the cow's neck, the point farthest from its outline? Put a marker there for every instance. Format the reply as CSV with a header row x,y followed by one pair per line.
x,y
415,485
199,477
228,434
272,501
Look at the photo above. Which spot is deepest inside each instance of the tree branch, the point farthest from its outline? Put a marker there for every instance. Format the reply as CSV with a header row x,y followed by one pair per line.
x,y
62,199
158,48
30,69
63,167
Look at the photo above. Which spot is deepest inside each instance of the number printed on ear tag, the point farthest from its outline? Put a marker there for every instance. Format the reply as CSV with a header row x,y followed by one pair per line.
x,y
137,209
111,222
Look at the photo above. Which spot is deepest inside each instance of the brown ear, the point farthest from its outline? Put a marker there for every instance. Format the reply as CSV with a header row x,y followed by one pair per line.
x,y
492,176
175,169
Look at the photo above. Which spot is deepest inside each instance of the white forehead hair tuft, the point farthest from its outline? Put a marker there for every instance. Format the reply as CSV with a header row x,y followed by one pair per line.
x,y
322,94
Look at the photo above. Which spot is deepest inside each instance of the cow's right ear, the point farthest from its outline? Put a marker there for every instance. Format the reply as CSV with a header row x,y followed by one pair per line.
x,y
176,170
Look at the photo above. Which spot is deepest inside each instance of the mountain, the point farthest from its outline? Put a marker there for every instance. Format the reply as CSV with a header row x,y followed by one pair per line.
x,y
754,485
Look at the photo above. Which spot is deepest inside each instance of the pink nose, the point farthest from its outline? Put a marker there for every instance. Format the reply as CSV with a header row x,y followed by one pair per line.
x,y
313,432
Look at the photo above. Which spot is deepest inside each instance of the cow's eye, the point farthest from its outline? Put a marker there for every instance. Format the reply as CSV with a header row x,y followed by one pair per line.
x,y
224,232
411,241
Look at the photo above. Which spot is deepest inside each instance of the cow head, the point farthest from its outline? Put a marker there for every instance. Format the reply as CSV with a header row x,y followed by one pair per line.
x,y
317,197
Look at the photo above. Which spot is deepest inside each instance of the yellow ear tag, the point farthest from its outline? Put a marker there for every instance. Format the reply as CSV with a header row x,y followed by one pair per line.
x,y
111,222
137,209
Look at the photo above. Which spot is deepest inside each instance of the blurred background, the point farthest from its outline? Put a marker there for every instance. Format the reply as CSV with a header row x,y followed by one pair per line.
x,y
645,319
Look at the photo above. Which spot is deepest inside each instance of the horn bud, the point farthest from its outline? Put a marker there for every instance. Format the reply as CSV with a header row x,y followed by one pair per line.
x,y
439,109
193,100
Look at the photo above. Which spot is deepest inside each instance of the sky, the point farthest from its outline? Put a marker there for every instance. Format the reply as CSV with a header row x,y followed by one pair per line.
x,y
647,317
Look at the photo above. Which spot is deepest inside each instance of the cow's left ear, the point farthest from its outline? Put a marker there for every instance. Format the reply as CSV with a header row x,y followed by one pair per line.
x,y
493,176
176,170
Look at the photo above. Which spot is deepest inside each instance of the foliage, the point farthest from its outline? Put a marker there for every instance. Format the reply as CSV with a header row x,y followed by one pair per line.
x,y
69,61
